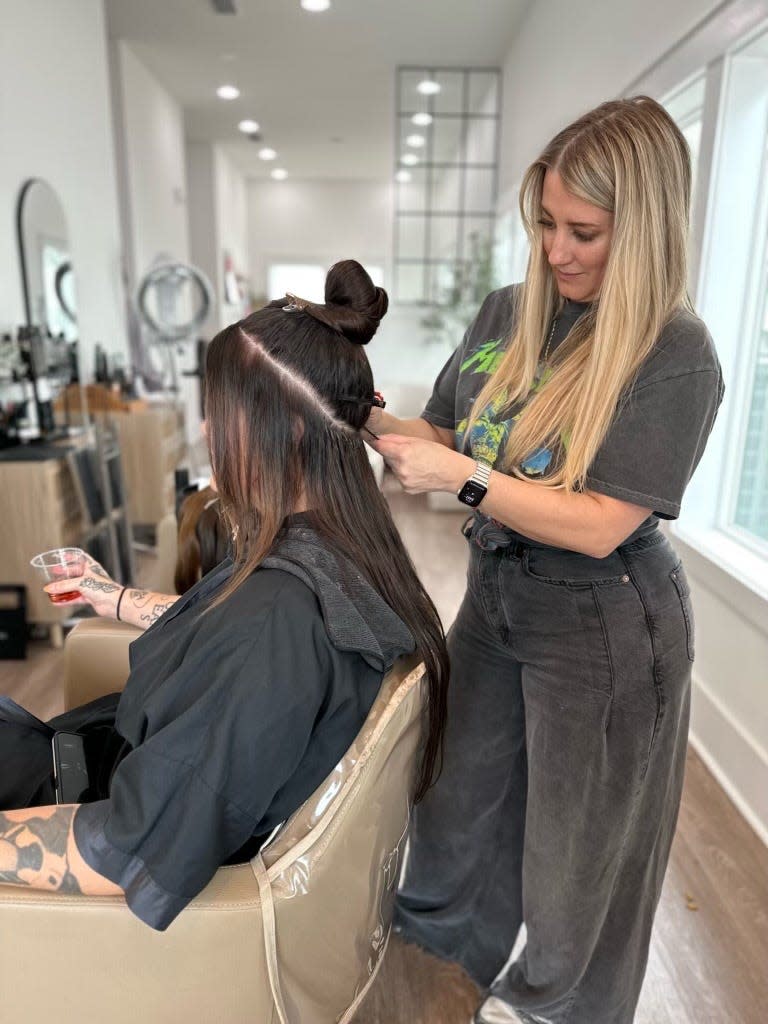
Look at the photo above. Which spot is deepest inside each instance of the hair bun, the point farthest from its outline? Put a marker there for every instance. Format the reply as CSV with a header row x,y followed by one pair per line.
x,y
354,305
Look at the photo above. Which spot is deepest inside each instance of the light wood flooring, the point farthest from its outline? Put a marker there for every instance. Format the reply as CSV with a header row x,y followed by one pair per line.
x,y
709,955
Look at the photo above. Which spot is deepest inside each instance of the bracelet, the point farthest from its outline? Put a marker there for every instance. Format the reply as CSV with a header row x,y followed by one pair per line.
x,y
117,610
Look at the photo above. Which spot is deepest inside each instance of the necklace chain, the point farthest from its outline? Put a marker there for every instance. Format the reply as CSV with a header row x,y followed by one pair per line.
x,y
549,340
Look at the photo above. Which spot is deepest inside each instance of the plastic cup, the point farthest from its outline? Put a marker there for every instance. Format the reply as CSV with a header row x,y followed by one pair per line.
x,y
61,564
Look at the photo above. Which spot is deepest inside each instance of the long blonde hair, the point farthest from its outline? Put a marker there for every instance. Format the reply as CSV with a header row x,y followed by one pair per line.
x,y
627,157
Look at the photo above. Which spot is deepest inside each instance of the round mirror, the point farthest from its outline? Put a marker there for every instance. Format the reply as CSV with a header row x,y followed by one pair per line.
x,y
47,278
174,300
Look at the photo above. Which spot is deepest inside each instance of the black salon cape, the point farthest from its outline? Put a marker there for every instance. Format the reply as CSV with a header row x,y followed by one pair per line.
x,y
235,717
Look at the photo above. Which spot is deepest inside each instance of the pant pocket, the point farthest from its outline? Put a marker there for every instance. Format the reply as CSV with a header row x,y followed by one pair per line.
x,y
680,581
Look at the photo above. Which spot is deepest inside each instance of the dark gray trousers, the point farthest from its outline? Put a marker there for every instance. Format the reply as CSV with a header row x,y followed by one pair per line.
x,y
563,769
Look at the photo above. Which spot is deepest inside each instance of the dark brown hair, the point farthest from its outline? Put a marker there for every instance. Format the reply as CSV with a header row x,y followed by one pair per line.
x,y
203,539
287,393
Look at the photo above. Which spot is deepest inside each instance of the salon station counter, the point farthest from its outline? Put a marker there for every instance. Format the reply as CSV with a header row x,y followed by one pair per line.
x,y
39,510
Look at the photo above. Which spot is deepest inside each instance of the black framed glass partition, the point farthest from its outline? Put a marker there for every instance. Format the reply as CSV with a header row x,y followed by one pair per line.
x,y
446,180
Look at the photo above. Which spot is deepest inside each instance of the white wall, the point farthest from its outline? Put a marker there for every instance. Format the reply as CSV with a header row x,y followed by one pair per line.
x,y
550,77
230,196
203,231
150,123
317,221
155,172
569,57
56,124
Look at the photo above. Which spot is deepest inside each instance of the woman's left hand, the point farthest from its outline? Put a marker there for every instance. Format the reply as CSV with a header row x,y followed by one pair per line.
x,y
423,465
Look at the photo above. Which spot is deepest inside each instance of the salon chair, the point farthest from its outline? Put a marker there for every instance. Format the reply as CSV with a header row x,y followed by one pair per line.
x,y
294,937
159,575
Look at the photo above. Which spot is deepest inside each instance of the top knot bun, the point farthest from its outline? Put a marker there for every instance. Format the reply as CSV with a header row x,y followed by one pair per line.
x,y
354,305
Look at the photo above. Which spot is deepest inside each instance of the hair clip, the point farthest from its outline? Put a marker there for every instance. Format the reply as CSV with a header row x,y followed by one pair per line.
x,y
377,400
296,305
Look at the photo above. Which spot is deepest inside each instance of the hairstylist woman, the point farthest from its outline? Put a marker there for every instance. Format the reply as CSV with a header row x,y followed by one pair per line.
x,y
245,693
573,413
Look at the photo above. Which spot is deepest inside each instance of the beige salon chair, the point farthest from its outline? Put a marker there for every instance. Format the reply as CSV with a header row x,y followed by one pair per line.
x,y
294,937
159,574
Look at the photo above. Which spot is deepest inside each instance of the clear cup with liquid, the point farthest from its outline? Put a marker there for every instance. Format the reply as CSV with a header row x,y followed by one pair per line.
x,y
61,564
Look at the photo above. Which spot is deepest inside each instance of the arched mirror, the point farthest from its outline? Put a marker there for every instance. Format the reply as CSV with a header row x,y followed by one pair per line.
x,y
45,260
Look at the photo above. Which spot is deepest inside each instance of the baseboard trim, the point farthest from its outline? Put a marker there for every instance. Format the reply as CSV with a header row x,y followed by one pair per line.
x,y
738,764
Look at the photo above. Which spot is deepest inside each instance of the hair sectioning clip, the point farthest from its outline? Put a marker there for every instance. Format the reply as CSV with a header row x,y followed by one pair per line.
x,y
295,305
378,400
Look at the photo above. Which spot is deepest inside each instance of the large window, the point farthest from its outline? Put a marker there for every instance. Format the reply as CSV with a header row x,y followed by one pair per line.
x,y
307,280
751,512
446,157
686,106
745,124
727,504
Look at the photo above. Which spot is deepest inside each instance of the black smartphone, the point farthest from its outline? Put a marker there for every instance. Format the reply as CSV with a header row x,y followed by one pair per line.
x,y
70,769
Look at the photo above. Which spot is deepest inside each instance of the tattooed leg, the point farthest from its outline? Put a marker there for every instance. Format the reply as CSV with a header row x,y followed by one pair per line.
x,y
38,850
34,852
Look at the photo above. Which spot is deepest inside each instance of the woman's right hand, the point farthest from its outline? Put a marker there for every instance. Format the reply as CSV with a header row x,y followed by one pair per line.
x,y
95,587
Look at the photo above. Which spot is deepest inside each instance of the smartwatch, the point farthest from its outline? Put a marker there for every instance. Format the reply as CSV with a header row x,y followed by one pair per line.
x,y
475,489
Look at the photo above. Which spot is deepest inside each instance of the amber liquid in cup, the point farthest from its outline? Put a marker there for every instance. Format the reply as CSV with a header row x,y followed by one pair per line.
x,y
58,565
68,595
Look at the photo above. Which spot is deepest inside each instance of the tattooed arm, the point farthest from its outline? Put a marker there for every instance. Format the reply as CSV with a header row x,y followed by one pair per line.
x,y
144,607
139,607
38,850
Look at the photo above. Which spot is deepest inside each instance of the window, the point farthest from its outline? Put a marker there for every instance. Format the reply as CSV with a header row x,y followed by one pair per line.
x,y
686,105
307,280
304,279
726,507
751,514
447,131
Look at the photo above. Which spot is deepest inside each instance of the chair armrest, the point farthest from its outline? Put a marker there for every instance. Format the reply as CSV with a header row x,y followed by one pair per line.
x,y
160,573
96,660
102,964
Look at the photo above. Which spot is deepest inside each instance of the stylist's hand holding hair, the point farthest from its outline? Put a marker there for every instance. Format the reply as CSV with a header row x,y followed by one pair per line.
x,y
422,465
571,419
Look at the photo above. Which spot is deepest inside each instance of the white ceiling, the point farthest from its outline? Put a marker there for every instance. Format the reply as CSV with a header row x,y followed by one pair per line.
x,y
321,86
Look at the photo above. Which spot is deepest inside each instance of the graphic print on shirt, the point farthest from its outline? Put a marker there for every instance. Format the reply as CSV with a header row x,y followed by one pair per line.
x,y
490,433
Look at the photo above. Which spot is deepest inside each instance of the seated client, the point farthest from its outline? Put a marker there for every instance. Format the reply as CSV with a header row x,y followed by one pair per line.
x,y
245,692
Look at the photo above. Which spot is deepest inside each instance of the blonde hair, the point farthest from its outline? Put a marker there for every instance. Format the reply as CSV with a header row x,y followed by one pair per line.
x,y
627,157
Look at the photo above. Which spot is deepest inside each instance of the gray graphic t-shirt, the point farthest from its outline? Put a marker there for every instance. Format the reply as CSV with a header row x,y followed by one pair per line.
x,y
657,437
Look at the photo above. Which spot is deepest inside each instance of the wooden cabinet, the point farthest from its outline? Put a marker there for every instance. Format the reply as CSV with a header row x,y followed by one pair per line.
x,y
39,510
153,445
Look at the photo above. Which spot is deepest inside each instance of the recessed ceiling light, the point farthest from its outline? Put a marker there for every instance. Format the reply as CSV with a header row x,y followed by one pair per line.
x,y
227,92
249,127
267,153
403,176
429,87
316,6
279,174
415,140
422,119
409,159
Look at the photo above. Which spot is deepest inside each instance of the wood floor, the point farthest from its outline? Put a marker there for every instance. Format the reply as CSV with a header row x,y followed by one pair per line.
x,y
709,955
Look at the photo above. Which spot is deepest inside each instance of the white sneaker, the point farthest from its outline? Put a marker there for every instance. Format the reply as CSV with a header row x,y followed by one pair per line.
x,y
496,1011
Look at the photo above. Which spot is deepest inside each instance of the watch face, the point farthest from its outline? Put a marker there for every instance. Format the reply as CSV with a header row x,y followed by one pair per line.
x,y
472,494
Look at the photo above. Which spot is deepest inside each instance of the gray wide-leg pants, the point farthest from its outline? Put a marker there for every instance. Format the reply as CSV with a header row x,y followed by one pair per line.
x,y
562,775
